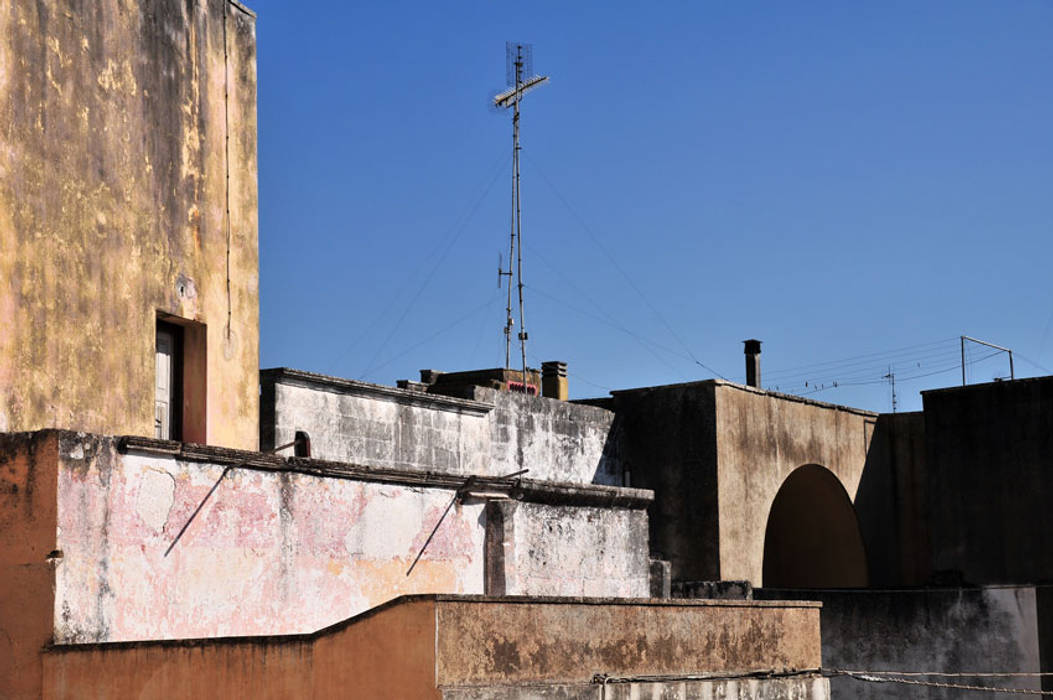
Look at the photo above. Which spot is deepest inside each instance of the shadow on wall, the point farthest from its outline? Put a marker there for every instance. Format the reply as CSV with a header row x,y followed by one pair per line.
x,y
813,538
890,502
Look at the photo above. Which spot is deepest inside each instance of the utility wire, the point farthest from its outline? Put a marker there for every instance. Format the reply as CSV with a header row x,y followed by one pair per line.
x,y
607,317
874,678
451,238
448,327
646,342
839,384
628,279
876,358
573,375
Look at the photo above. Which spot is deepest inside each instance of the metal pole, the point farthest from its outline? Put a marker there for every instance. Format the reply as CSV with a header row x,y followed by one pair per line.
x,y
519,220
963,360
1011,375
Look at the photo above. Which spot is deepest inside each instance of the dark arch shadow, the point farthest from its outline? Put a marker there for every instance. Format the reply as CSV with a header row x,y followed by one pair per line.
x,y
813,539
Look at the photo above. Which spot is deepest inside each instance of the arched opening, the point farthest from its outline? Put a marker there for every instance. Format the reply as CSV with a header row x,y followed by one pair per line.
x,y
813,539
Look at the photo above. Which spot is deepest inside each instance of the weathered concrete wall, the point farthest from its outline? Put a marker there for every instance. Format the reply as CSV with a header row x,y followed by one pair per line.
x,y
374,425
470,647
944,630
989,485
487,432
28,482
113,203
716,455
537,549
556,440
510,641
890,501
810,686
668,445
763,438
281,546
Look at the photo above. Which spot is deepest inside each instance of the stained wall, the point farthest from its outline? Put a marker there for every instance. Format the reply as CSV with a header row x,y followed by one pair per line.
x,y
485,431
127,190
280,547
764,437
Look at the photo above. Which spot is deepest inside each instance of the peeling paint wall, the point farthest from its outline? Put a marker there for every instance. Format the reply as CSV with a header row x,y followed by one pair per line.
x,y
601,551
374,425
556,440
490,433
113,208
270,553
280,551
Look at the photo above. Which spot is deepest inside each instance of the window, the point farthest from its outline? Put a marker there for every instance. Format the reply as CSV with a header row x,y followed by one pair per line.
x,y
180,388
168,420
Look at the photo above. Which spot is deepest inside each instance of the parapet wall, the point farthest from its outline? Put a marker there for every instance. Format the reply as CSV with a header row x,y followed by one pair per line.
x,y
488,432
290,546
471,647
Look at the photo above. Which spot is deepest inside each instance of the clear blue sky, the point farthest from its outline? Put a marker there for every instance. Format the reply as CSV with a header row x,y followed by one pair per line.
x,y
836,179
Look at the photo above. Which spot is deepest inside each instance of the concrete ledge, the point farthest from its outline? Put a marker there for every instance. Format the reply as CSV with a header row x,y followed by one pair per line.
x,y
530,490
751,390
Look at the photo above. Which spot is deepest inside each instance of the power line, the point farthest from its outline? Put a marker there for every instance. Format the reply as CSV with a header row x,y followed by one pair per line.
x,y
596,241
840,384
645,342
438,262
876,358
385,312
448,327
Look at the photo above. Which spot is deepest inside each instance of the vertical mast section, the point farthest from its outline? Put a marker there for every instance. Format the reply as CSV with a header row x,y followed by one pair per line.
x,y
518,64
519,214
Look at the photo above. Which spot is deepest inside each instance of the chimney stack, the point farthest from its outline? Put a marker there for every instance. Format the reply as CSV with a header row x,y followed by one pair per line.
x,y
554,380
752,362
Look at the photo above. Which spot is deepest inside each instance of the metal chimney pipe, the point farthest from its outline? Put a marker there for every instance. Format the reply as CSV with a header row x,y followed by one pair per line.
x,y
752,362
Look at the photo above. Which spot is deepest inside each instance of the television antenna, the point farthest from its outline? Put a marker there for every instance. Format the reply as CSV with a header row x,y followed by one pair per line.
x,y
520,77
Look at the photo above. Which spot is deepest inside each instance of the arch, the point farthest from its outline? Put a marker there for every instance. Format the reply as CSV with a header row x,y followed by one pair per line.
x,y
812,539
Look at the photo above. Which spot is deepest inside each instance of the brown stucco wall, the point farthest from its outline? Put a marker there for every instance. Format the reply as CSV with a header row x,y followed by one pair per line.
x,y
498,642
387,653
763,437
113,165
28,483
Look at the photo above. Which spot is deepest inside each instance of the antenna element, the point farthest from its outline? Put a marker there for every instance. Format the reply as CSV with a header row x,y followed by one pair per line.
x,y
519,68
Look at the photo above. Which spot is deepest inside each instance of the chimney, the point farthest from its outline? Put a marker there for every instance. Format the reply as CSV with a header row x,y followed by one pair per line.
x,y
554,380
752,362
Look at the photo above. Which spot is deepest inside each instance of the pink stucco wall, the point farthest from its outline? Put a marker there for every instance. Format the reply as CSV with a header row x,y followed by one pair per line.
x,y
282,551
270,553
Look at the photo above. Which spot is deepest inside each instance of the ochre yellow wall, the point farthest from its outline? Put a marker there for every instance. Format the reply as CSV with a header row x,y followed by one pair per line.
x,y
113,163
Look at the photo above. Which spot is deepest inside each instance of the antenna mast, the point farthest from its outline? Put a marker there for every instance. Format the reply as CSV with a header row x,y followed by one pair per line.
x,y
518,66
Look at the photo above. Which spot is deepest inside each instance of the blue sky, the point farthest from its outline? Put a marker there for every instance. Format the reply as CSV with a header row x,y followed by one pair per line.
x,y
839,180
